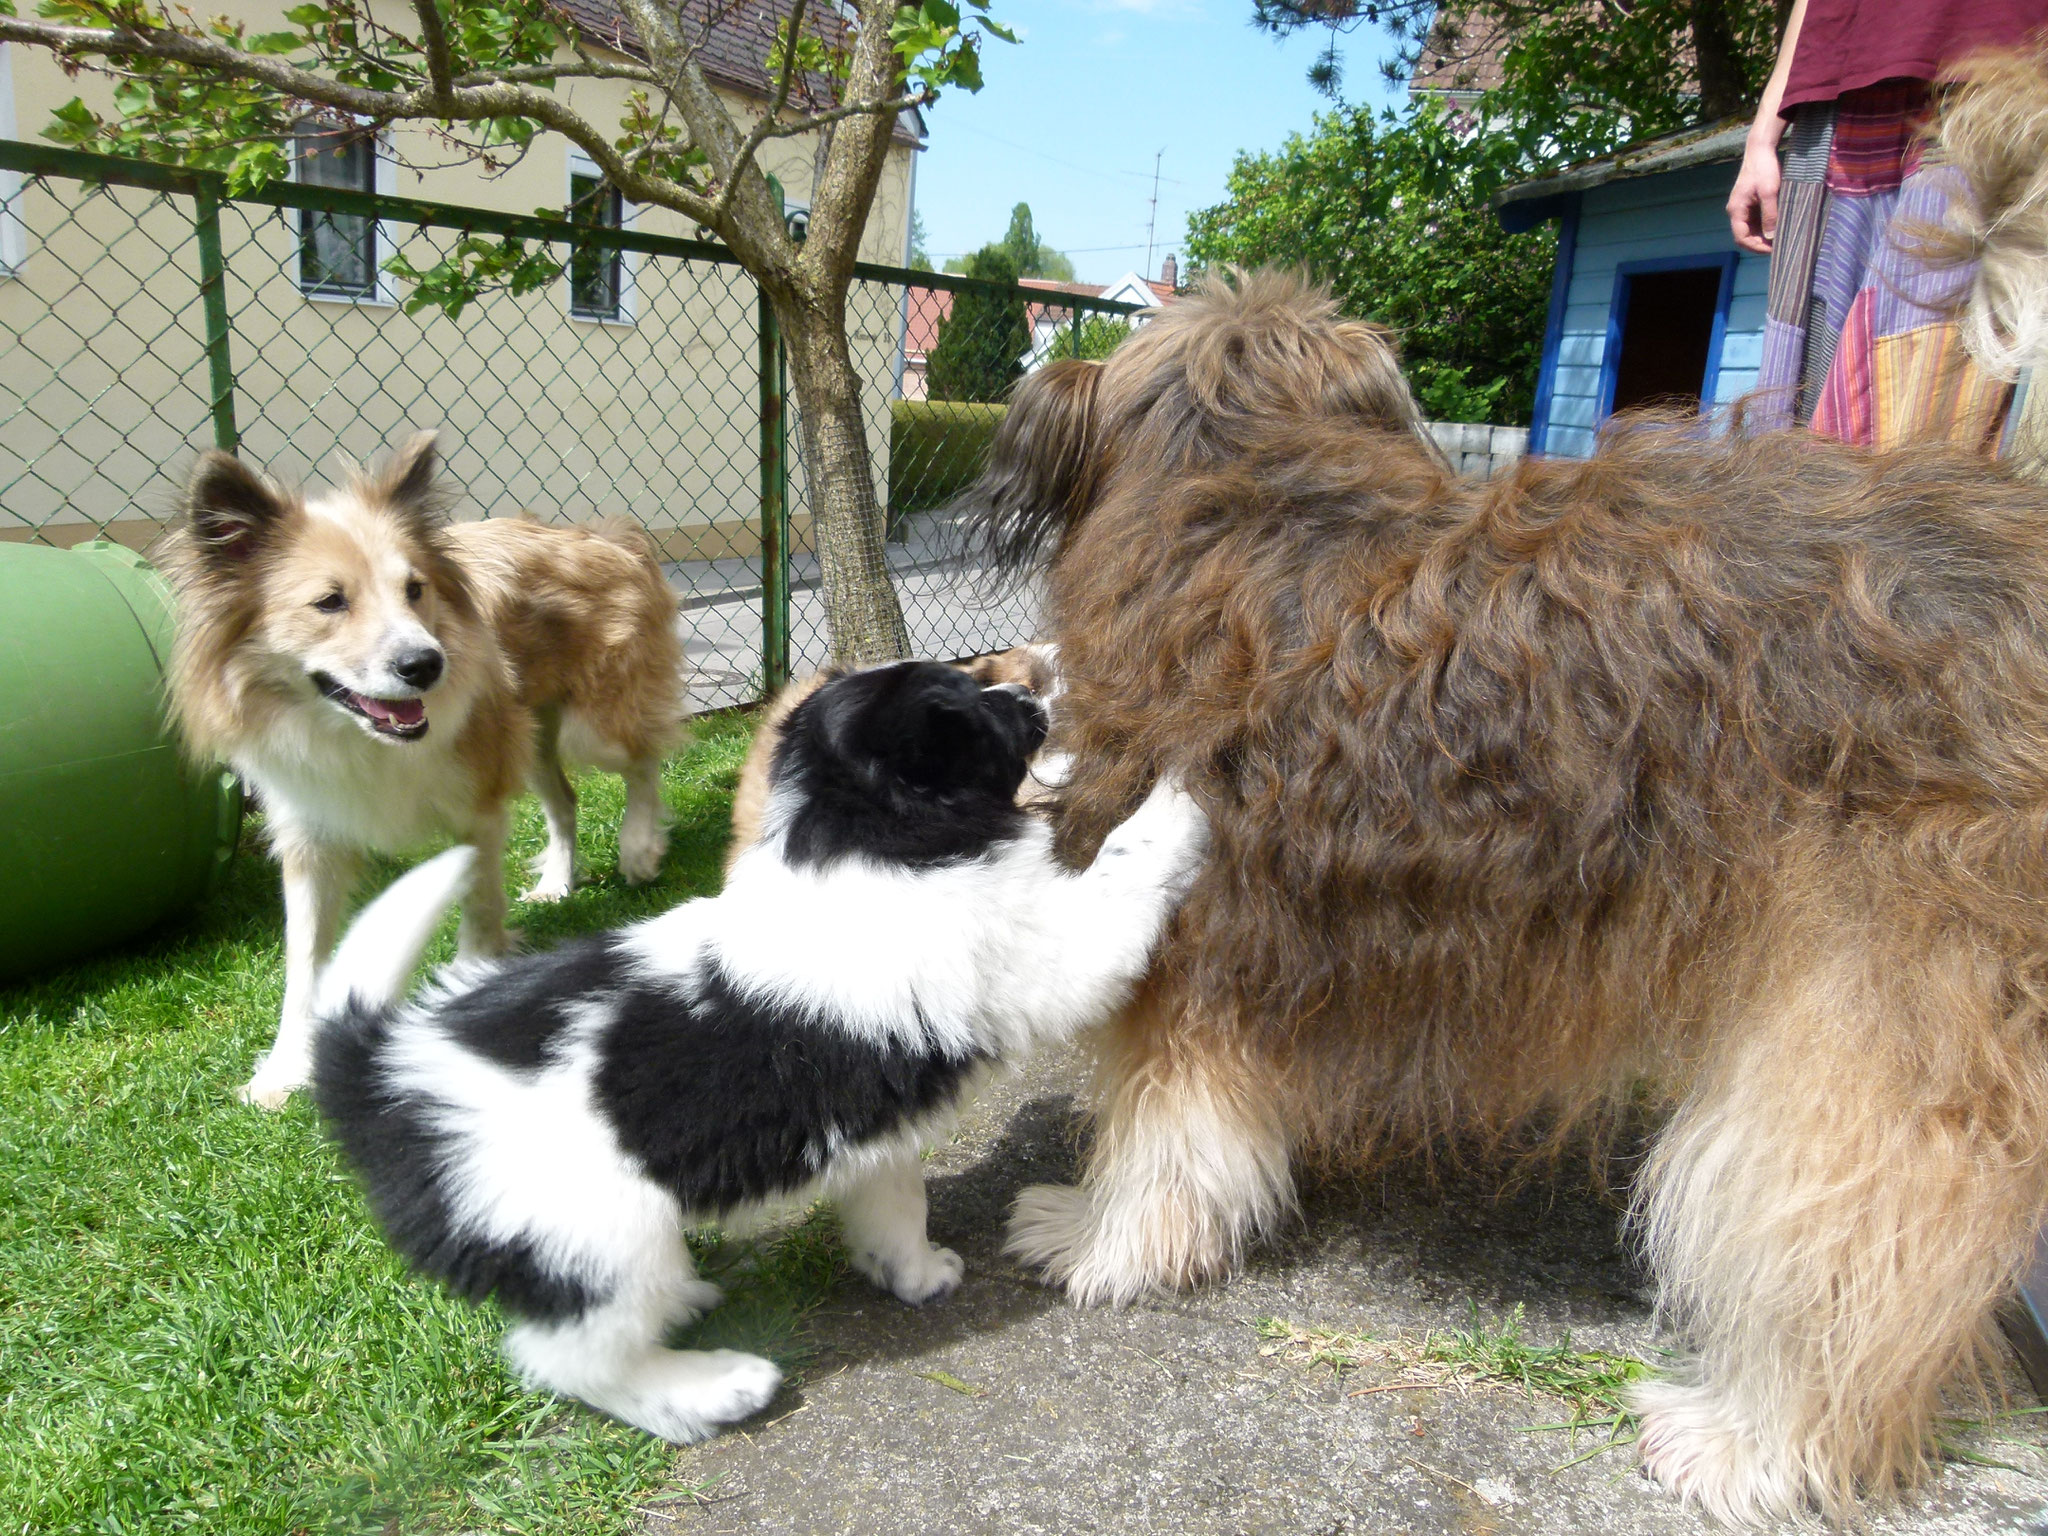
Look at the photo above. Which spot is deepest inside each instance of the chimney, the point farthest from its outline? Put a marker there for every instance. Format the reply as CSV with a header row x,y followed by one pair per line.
x,y
1169,272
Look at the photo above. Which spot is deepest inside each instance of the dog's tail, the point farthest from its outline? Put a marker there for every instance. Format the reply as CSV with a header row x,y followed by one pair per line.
x,y
1994,131
382,948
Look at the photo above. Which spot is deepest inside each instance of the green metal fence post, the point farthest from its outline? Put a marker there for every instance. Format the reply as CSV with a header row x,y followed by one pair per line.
x,y
1074,325
774,505
213,299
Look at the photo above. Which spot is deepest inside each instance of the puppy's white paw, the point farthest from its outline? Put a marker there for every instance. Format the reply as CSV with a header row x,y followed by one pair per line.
x,y
1170,830
278,1075
641,853
1698,1447
688,1397
932,1276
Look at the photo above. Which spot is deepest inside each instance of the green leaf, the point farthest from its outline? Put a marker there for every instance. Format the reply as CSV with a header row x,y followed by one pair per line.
x,y
73,123
942,13
308,15
275,42
966,70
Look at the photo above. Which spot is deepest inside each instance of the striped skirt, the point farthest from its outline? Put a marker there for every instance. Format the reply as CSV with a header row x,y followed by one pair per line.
x,y
1859,337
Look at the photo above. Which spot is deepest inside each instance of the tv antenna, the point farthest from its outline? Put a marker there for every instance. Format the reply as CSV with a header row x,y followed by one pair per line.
x,y
1152,221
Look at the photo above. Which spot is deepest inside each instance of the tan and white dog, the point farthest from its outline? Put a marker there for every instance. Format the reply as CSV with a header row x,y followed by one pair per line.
x,y
382,677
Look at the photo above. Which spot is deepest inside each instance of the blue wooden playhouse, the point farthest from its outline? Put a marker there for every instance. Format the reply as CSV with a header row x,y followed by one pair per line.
x,y
1651,301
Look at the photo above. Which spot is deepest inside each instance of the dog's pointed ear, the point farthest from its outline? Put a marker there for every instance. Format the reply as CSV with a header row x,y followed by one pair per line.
x,y
408,482
1042,469
232,509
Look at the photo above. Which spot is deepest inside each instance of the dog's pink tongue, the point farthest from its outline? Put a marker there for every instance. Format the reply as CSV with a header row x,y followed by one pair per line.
x,y
397,711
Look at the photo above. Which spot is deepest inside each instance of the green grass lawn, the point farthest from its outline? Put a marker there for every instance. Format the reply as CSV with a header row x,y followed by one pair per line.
x,y
199,1327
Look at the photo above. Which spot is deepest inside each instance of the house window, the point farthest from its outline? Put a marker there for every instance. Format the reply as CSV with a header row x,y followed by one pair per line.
x,y
597,273
1664,332
337,251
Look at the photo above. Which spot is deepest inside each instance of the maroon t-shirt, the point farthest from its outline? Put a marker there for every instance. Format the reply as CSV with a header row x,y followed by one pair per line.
x,y
1845,45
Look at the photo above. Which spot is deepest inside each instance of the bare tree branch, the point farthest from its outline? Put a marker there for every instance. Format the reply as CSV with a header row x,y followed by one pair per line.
x,y
434,40
463,103
537,74
761,130
860,145
889,109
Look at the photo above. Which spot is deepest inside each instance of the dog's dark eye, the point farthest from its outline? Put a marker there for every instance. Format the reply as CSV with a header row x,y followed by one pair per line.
x,y
413,589
334,602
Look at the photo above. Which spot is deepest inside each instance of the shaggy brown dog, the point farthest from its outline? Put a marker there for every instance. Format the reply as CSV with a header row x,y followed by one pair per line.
x,y
1717,766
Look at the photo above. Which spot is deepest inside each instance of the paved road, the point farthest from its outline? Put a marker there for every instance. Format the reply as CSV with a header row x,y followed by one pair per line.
x,y
945,603
1179,1418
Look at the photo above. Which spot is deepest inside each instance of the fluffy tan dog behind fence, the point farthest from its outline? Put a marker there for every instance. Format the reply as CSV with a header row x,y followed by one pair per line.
x,y
1717,766
382,677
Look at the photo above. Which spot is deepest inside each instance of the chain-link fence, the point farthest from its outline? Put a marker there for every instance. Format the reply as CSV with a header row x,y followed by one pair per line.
x,y
144,318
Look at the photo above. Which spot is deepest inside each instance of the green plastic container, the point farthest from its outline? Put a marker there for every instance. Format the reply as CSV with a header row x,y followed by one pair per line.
x,y
105,830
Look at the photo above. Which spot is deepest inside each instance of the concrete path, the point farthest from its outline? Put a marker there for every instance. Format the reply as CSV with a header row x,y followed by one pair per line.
x,y
948,613
1185,1417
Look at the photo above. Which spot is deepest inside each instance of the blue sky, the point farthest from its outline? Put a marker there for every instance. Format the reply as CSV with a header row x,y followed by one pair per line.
x,y
1070,119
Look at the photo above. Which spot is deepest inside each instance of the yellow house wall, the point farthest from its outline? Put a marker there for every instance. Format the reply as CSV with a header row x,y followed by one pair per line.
x,y
103,382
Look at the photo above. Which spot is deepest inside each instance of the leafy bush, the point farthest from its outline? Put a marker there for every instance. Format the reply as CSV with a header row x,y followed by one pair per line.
x,y
1392,213
936,448
981,345
1100,336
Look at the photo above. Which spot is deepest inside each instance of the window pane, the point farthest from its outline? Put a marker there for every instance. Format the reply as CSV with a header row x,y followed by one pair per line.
x,y
594,272
337,251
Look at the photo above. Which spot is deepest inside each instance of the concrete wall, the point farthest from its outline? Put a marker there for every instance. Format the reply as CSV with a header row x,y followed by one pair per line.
x,y
1679,213
1478,450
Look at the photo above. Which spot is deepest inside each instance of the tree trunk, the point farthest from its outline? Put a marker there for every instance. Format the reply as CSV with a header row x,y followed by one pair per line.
x,y
860,600
1723,90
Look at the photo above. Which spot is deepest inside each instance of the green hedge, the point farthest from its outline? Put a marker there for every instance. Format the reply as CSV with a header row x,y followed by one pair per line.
x,y
936,448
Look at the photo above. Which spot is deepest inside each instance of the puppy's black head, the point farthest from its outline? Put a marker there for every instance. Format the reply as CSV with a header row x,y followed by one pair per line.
x,y
913,763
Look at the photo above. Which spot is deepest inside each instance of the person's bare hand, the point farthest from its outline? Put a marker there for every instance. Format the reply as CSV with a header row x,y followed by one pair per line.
x,y
1753,205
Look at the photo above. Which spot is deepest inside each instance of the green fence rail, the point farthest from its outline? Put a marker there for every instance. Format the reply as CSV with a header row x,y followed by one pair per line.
x,y
145,316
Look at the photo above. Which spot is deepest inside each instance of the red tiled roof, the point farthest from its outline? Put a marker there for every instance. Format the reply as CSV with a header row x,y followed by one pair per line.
x,y
1462,54
733,39
931,306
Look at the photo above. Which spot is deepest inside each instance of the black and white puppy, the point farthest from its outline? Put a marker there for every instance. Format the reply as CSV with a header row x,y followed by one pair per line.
x,y
543,1129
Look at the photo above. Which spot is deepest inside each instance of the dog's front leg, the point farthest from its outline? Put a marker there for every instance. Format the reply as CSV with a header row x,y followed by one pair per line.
x,y
317,880
554,872
482,933
1091,935
1188,1161
883,1215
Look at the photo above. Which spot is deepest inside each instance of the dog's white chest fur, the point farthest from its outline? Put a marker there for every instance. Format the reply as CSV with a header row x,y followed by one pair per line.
x,y
334,782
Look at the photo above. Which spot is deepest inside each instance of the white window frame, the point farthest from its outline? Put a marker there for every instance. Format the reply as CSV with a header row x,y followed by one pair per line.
x,y
383,246
580,164
13,232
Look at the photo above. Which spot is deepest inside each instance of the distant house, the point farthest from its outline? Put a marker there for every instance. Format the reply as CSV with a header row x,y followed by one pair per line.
x,y
931,308
1651,301
316,310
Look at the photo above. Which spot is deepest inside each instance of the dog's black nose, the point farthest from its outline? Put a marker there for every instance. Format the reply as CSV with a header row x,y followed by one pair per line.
x,y
419,669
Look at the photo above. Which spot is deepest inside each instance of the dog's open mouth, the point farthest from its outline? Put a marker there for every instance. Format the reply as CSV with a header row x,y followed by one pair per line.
x,y
405,719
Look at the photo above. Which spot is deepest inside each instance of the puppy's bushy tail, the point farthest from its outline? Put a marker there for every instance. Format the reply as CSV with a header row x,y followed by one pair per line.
x,y
382,948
